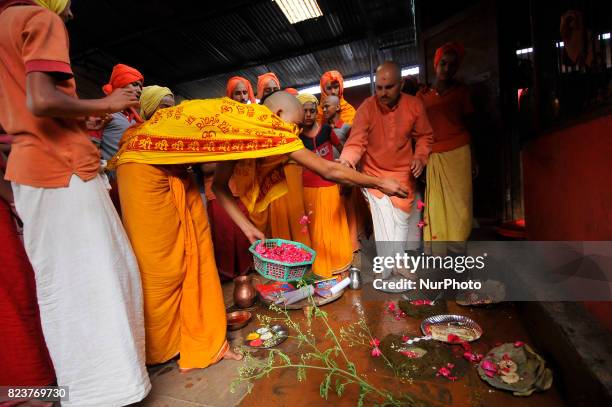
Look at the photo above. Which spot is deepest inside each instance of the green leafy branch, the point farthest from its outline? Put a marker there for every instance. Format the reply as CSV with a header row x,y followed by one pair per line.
x,y
339,371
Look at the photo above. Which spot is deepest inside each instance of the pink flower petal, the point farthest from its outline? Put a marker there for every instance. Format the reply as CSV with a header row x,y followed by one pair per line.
x,y
420,205
410,354
376,352
518,344
489,366
375,343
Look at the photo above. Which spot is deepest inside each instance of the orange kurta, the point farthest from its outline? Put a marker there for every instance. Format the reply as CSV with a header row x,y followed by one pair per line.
x,y
446,113
381,140
167,225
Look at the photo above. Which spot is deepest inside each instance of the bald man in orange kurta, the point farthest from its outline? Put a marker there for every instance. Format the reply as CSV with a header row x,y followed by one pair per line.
x,y
381,141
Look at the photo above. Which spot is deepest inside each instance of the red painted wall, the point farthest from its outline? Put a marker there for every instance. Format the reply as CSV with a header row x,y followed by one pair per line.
x,y
568,189
568,183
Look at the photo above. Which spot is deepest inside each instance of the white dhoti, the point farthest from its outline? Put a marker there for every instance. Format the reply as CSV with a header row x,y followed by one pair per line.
x,y
89,292
395,231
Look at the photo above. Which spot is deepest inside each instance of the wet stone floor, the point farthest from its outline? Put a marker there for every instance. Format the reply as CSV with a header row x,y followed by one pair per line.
x,y
211,386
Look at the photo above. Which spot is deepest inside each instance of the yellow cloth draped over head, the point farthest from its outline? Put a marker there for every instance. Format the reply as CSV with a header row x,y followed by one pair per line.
x,y
213,130
150,98
57,6
307,98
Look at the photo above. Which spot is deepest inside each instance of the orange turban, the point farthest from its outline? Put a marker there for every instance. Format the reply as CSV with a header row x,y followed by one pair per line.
x,y
122,76
235,80
331,76
449,47
262,81
292,91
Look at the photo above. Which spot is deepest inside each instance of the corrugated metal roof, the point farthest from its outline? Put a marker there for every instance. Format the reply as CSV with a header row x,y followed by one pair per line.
x,y
195,46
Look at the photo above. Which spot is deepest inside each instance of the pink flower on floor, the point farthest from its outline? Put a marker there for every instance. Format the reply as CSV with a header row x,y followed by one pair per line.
x,y
446,372
409,354
421,224
472,357
391,306
489,367
376,352
420,205
452,338
375,343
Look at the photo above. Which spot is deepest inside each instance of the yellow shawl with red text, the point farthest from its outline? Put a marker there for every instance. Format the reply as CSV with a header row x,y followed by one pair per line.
x,y
212,130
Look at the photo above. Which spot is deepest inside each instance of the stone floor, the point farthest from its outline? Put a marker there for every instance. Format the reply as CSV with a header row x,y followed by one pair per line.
x,y
210,387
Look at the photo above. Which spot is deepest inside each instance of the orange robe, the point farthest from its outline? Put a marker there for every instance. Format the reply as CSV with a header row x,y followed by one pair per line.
x,y
183,303
285,212
329,230
347,111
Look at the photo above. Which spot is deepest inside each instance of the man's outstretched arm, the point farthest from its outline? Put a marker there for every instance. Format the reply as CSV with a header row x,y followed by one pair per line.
x,y
342,174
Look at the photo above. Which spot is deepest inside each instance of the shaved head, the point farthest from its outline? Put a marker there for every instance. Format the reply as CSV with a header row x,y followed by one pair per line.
x,y
331,107
388,83
389,69
333,99
286,106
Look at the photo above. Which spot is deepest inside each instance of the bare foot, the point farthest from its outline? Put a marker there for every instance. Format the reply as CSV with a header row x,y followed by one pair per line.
x,y
229,355
232,355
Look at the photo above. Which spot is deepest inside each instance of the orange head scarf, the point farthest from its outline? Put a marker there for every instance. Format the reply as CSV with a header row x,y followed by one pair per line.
x,y
449,47
331,76
292,91
262,81
122,76
235,80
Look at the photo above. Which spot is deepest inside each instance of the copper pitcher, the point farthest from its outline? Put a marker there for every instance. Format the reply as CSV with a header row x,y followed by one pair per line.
x,y
244,292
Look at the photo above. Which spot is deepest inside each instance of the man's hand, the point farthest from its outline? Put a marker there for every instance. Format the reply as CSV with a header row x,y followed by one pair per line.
x,y
346,163
392,187
122,99
95,123
416,167
254,234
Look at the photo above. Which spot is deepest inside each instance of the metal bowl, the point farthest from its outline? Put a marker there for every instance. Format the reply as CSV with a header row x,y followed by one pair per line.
x,y
238,319
457,320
